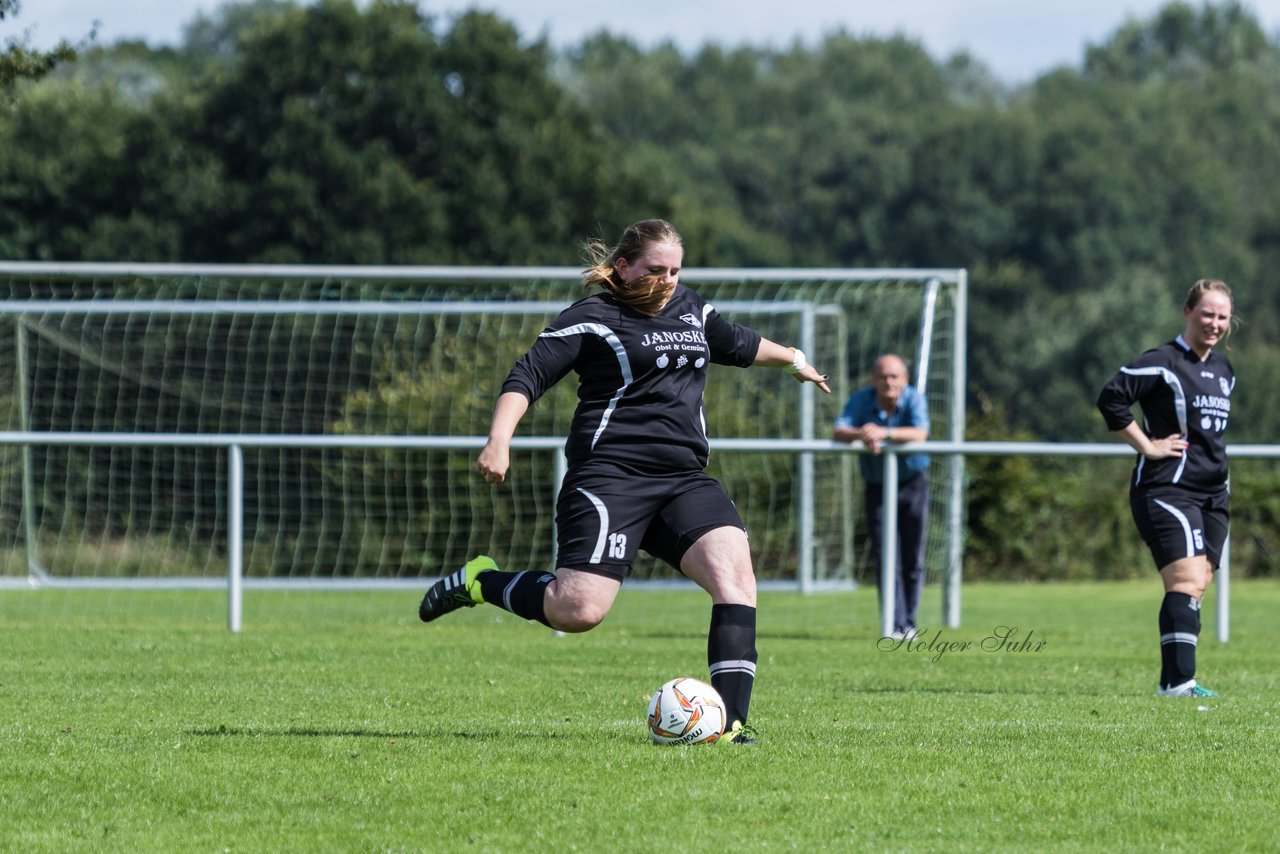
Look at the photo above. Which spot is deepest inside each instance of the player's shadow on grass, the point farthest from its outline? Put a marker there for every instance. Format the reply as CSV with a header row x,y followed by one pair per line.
x,y
919,689
224,731
841,634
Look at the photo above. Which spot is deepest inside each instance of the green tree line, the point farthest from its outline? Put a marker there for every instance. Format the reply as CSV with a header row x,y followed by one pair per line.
x,y
1083,203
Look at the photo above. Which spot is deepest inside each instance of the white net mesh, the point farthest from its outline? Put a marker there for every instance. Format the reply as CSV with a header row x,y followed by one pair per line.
x,y
420,353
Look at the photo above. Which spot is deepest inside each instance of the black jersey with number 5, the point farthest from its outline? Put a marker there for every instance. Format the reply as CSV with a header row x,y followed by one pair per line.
x,y
640,378
1179,394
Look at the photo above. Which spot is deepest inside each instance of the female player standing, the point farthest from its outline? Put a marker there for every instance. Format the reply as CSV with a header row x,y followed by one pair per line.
x,y
1178,494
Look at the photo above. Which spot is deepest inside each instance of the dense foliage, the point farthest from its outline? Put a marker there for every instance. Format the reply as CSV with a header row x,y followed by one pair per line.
x,y
19,61
1083,204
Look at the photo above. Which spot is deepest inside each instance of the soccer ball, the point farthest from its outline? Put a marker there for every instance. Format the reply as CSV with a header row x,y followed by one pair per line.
x,y
686,711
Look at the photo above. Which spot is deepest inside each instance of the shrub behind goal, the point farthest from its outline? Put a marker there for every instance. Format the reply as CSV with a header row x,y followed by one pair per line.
x,y
283,355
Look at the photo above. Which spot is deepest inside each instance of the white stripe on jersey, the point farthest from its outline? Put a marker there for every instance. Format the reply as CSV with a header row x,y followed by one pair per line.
x,y
624,364
707,308
604,525
1179,408
1184,522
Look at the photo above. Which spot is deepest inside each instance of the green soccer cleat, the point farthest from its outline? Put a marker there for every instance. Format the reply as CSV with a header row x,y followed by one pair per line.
x,y
1187,689
456,590
739,734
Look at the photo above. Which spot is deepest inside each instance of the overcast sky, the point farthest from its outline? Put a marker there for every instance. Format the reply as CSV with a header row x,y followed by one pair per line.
x,y
1017,39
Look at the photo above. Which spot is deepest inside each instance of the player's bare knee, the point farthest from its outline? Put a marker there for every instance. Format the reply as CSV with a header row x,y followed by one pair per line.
x,y
734,584
574,627
574,613
741,579
576,618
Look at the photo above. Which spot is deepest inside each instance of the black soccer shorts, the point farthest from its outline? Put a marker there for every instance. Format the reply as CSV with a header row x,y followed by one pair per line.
x,y
1180,523
606,513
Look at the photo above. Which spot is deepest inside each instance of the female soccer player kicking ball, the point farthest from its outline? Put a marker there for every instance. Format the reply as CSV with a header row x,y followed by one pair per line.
x,y
636,450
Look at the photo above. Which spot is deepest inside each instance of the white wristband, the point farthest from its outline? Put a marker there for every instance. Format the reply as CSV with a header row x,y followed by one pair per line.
x,y
798,361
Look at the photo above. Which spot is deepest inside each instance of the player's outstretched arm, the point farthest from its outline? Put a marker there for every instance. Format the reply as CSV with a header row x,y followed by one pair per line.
x,y
773,355
495,457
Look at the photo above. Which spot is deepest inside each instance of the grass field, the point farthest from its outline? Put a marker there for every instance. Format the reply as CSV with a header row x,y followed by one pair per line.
x,y
336,722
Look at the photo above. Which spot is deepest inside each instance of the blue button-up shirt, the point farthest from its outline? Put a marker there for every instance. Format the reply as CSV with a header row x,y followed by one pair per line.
x,y
912,411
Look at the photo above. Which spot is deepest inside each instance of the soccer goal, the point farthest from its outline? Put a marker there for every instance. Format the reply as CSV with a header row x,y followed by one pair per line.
x,y
317,426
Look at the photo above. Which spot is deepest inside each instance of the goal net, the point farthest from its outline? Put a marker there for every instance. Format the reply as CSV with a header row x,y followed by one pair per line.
x,y
311,367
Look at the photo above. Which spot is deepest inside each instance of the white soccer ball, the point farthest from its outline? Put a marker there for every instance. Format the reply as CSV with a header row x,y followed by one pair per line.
x,y
686,711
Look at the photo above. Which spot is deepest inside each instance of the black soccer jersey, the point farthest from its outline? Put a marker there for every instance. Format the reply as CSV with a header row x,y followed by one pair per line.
x,y
640,378
1179,394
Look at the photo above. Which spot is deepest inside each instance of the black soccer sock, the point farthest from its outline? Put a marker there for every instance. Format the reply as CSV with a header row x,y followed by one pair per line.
x,y
1179,634
1168,654
521,593
731,657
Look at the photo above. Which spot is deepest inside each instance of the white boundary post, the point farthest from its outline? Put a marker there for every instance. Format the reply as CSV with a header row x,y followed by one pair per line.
x,y
955,545
889,541
956,462
34,569
805,475
235,537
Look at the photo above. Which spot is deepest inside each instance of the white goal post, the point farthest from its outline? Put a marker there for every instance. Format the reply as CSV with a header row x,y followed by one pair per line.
x,y
200,425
